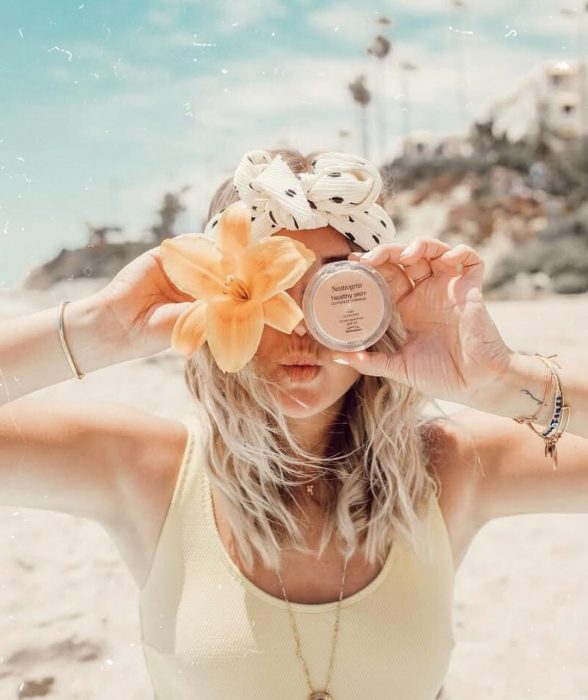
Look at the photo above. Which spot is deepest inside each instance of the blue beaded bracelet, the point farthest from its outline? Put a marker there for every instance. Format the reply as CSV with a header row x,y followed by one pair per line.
x,y
561,413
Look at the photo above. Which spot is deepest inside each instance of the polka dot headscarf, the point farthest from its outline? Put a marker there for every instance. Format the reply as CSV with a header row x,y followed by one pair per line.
x,y
340,191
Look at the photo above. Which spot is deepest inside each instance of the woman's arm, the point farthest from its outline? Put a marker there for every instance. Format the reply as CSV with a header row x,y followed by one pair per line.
x,y
132,317
31,355
453,350
507,473
519,391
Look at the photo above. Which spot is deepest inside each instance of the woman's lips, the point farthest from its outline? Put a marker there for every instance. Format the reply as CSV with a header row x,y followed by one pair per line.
x,y
302,373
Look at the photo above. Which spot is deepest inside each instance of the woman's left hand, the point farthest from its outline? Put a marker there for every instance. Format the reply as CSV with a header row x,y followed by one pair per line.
x,y
453,350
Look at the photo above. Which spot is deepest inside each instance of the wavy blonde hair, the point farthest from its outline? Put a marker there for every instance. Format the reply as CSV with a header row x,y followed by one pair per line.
x,y
375,469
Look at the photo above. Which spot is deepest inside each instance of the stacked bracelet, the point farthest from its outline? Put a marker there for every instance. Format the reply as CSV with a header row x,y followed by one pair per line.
x,y
561,413
72,364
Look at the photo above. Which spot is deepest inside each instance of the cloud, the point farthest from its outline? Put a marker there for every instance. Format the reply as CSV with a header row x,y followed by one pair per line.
x,y
227,15
553,24
302,104
471,8
139,216
156,120
163,18
93,62
244,13
307,100
355,25
302,97
490,68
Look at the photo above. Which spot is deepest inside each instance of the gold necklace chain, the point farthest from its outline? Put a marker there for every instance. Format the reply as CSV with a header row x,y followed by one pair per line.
x,y
314,694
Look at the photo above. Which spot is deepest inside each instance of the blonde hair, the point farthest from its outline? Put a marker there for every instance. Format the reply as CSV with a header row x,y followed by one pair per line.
x,y
375,466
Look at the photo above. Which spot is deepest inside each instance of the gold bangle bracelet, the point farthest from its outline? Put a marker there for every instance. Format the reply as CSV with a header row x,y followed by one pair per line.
x,y
561,413
72,364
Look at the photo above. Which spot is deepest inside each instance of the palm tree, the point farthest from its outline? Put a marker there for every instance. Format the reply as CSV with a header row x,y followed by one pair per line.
x,y
362,96
343,136
578,15
380,48
406,67
169,211
460,67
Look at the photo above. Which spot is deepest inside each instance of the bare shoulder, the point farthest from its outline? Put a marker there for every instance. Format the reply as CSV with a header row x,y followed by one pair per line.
x,y
70,456
514,475
108,462
146,487
457,447
87,459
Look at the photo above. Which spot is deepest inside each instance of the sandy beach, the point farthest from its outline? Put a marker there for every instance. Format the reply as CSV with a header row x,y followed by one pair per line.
x,y
68,605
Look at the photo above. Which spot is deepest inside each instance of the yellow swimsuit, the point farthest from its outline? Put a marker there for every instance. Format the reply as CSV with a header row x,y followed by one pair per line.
x,y
209,633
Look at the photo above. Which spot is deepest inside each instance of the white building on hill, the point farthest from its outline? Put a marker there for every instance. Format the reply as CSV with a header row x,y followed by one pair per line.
x,y
424,145
553,98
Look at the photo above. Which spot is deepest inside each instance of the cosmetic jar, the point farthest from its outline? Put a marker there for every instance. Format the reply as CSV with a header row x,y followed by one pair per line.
x,y
347,305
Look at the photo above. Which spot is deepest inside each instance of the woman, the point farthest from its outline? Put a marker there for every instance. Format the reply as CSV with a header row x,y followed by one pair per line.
x,y
290,538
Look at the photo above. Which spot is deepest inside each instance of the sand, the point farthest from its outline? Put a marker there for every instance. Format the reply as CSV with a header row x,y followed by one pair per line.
x,y
68,605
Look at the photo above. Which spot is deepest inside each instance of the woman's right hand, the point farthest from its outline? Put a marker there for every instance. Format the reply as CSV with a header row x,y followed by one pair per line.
x,y
145,304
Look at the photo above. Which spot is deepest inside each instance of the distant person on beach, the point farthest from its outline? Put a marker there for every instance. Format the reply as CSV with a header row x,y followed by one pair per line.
x,y
297,534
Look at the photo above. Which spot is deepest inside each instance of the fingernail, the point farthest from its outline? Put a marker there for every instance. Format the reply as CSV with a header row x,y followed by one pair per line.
x,y
341,361
369,255
408,251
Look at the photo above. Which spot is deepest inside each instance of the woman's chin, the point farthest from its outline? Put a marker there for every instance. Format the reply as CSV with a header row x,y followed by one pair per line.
x,y
300,401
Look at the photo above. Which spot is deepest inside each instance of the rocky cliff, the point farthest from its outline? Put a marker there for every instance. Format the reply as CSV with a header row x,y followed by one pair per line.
x,y
103,260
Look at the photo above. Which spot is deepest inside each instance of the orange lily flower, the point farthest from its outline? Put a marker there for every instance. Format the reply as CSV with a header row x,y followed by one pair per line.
x,y
238,284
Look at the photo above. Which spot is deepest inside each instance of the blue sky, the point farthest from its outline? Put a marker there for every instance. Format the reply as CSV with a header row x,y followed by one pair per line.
x,y
105,105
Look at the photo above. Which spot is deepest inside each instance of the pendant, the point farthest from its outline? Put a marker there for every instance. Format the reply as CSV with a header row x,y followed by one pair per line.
x,y
320,695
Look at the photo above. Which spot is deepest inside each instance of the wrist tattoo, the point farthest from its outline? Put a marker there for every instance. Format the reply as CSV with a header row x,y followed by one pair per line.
x,y
526,391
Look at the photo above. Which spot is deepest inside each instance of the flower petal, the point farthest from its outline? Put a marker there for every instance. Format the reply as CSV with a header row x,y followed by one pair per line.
x,y
272,265
282,313
234,228
195,265
234,329
306,252
189,331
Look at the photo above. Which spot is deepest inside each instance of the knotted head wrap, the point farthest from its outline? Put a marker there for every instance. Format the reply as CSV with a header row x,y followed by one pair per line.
x,y
340,191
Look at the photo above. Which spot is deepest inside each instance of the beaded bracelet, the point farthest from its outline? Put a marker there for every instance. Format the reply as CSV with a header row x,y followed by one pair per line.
x,y
561,414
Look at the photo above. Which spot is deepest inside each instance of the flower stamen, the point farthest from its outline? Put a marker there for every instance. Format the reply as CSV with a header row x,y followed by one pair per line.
x,y
236,288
